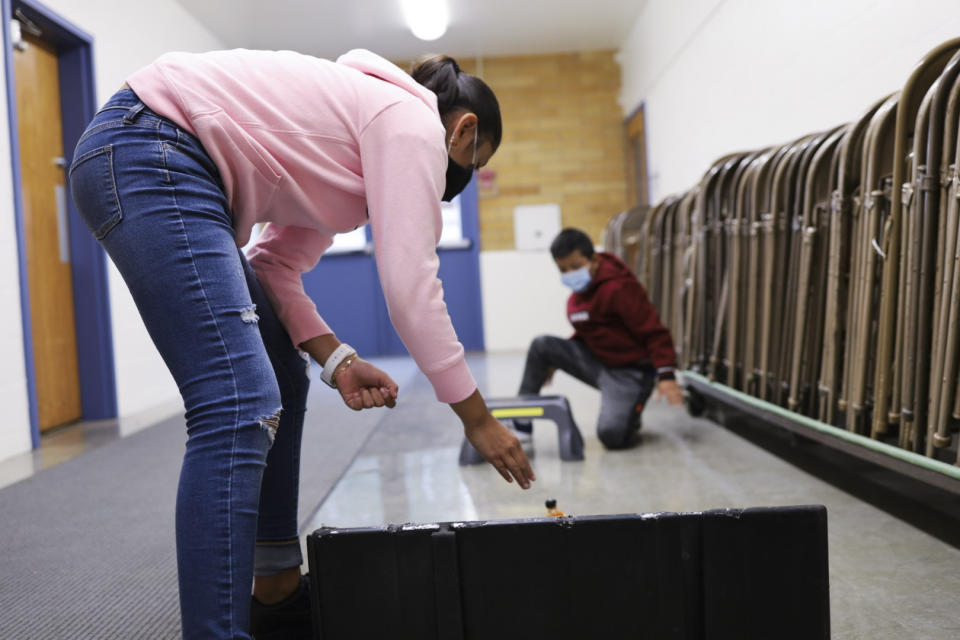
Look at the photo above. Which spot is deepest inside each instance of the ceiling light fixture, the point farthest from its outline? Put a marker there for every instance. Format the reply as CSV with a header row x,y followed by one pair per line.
x,y
427,19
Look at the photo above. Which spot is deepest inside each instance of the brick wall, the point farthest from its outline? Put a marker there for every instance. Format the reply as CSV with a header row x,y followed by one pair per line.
x,y
563,141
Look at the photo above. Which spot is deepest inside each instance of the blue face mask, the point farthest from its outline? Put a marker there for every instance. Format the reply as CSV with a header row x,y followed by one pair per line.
x,y
577,280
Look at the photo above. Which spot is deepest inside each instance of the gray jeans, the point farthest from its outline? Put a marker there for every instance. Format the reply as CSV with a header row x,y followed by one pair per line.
x,y
623,390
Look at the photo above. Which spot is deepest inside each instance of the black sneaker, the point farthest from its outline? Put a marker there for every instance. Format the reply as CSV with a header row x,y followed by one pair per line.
x,y
633,436
523,429
288,619
636,422
523,426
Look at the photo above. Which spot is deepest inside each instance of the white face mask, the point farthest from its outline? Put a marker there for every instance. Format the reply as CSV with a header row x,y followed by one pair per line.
x,y
578,280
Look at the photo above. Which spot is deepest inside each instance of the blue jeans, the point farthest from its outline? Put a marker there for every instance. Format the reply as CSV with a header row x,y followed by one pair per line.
x,y
153,198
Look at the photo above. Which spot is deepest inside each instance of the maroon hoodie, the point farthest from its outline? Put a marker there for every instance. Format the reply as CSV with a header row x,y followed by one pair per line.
x,y
617,321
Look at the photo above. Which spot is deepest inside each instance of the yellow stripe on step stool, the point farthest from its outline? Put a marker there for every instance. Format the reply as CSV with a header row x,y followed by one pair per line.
x,y
520,412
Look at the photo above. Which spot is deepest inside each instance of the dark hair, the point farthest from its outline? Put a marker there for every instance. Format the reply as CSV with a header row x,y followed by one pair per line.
x,y
458,90
570,240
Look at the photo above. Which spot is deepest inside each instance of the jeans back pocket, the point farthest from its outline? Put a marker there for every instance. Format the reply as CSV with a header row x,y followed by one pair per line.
x,y
94,190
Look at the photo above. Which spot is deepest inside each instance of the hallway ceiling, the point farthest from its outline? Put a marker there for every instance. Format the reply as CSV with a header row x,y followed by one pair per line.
x,y
327,28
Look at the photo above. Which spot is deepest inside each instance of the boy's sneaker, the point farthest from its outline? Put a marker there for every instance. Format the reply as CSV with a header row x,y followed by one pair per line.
x,y
520,426
636,423
288,619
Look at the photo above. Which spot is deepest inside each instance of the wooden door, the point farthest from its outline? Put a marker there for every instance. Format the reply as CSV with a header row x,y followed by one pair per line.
x,y
47,241
637,159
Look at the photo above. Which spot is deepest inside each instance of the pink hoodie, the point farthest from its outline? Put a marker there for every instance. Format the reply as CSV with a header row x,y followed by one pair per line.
x,y
314,148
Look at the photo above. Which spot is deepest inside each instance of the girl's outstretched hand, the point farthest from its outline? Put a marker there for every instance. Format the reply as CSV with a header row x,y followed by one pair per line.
x,y
501,448
497,444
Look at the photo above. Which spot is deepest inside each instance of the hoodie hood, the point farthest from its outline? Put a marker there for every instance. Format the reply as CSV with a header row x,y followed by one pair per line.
x,y
373,65
609,267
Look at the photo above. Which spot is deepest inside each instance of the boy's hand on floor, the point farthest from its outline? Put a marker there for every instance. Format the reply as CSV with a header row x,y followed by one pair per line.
x,y
671,391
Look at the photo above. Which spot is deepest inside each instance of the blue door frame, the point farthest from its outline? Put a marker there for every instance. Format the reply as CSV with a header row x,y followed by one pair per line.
x,y
78,103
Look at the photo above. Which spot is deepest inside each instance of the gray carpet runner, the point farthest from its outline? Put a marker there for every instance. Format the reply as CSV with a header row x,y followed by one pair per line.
x,y
87,547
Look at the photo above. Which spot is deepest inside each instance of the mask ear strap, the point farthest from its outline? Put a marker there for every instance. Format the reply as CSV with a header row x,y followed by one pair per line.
x,y
454,135
476,132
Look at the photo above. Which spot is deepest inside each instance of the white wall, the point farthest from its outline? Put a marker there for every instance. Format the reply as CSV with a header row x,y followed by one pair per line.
x,y
15,427
127,36
718,76
522,298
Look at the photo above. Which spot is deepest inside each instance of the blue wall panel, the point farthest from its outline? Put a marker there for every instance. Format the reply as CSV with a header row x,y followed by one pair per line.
x,y
347,291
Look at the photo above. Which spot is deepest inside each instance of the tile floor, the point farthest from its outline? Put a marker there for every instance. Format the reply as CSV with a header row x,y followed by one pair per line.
x,y
889,579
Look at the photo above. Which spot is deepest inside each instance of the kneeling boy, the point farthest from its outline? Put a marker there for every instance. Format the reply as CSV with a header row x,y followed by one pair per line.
x,y
619,345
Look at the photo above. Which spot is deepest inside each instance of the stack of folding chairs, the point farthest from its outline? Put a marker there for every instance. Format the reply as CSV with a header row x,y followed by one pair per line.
x,y
823,275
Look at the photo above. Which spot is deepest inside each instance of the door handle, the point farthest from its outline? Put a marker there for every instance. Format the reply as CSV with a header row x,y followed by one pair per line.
x,y
63,226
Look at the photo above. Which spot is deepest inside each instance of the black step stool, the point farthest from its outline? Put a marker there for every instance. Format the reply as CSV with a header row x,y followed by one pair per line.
x,y
554,408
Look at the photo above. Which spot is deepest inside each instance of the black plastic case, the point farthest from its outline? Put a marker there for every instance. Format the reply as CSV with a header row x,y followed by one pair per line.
x,y
738,574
